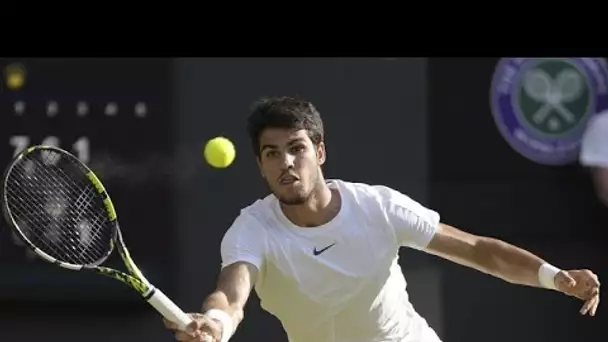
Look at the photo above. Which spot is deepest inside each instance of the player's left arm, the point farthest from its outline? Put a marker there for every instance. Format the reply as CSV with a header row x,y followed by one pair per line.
x,y
420,228
513,264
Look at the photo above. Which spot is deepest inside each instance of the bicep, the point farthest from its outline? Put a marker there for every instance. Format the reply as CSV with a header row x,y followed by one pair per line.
x,y
242,252
455,245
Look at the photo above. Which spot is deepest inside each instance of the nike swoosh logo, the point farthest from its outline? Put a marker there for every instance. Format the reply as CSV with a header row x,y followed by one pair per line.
x,y
317,252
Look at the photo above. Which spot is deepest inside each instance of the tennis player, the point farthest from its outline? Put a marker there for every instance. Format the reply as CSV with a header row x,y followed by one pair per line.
x,y
322,254
594,153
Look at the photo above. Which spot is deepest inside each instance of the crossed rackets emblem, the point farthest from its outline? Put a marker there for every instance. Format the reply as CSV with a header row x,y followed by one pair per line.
x,y
553,93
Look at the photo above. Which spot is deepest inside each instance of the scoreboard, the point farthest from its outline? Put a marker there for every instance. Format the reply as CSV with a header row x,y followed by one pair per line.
x,y
98,109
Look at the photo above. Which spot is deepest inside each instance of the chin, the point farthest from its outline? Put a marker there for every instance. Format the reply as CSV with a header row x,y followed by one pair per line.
x,y
293,198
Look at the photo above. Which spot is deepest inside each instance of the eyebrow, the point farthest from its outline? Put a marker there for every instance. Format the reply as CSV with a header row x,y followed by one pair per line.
x,y
267,146
272,146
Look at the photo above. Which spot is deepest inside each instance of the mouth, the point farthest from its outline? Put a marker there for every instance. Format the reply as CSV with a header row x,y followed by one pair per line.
x,y
288,180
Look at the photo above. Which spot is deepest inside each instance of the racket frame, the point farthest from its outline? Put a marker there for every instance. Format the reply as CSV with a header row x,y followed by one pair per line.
x,y
135,278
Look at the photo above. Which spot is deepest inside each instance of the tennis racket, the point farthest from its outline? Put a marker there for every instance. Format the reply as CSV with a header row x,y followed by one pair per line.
x,y
61,210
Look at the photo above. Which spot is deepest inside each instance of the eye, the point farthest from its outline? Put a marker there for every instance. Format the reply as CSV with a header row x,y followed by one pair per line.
x,y
272,154
298,148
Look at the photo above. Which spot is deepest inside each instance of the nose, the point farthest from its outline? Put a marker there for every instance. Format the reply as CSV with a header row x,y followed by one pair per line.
x,y
287,161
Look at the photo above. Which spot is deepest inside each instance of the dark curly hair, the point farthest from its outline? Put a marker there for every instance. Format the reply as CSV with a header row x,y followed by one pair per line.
x,y
283,112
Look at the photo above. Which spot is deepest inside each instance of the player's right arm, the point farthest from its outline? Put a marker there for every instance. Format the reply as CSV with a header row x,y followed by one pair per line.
x,y
233,288
242,250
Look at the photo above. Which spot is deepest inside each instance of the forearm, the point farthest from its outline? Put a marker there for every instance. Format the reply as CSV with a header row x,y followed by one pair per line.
x,y
219,300
227,303
508,262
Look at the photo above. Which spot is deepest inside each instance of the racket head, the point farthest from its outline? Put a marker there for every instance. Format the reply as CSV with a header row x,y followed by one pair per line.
x,y
59,208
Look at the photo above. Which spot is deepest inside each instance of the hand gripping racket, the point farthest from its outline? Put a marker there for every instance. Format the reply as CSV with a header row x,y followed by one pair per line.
x,y
61,210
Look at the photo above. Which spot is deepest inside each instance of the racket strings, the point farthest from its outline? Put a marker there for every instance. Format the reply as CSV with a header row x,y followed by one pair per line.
x,y
89,191
55,207
54,234
51,234
58,209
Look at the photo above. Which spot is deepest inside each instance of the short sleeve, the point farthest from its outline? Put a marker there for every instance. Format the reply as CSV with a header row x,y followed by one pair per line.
x,y
594,145
414,224
244,241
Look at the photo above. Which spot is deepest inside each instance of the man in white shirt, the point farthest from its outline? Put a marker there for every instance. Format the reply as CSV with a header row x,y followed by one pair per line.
x,y
322,254
594,153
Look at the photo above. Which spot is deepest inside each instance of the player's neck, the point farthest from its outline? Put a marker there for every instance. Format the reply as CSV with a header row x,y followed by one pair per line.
x,y
321,207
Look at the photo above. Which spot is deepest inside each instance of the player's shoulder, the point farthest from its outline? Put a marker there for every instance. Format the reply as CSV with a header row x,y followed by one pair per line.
x,y
365,193
257,214
260,206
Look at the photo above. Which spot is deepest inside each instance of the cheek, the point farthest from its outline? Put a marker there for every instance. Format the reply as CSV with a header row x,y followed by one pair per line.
x,y
307,163
267,169
270,172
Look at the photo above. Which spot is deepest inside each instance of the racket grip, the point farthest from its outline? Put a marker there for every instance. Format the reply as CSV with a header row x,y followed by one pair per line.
x,y
169,310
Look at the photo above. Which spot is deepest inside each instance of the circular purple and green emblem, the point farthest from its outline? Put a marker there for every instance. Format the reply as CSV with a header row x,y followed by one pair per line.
x,y
542,105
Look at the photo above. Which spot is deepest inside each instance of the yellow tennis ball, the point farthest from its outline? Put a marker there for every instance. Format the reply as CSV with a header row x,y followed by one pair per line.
x,y
15,81
14,75
219,152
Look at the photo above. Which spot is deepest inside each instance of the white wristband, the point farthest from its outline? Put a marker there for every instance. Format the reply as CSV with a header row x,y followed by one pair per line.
x,y
546,275
225,321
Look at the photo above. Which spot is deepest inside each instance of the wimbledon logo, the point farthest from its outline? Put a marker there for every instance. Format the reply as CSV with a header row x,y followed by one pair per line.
x,y
541,105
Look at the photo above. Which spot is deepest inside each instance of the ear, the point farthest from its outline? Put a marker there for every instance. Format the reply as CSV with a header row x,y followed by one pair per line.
x,y
321,153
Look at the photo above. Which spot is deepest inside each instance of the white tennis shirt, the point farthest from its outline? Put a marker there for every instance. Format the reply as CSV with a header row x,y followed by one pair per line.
x,y
594,146
339,282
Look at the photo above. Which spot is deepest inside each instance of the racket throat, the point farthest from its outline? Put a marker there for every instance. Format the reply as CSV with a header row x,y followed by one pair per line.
x,y
149,293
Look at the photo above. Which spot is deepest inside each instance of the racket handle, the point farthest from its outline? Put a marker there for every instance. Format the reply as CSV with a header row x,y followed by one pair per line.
x,y
169,310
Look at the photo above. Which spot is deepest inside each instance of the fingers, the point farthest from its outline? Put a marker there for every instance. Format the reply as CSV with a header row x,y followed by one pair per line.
x,y
595,305
590,306
206,338
190,334
201,329
197,336
587,289
169,325
187,336
193,326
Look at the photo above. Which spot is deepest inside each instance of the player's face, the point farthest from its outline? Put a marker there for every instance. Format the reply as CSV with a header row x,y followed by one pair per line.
x,y
290,163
